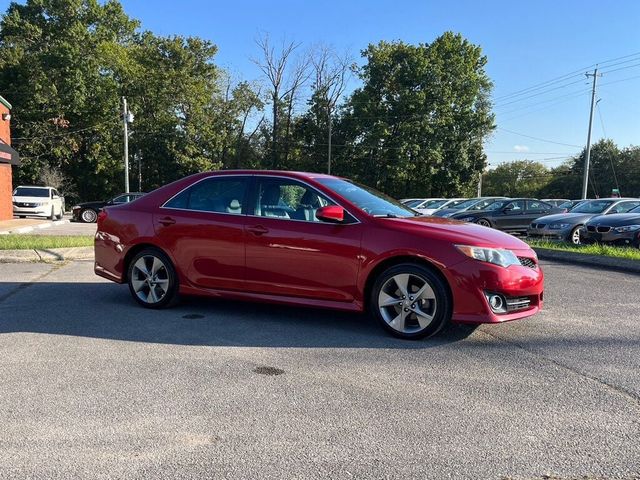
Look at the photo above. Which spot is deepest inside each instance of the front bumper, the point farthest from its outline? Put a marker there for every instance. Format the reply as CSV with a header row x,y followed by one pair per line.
x,y
470,280
545,233
42,211
626,238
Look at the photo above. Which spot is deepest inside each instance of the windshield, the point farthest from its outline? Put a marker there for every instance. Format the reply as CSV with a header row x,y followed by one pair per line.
x,y
31,192
497,205
465,204
594,206
413,203
367,199
484,204
435,203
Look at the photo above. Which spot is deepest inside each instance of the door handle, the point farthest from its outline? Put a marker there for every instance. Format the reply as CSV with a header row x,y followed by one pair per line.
x,y
166,221
258,230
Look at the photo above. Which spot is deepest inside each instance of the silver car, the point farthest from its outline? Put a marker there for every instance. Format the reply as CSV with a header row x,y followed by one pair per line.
x,y
567,226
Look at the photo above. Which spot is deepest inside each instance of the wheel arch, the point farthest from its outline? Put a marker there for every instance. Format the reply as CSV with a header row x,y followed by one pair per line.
x,y
397,260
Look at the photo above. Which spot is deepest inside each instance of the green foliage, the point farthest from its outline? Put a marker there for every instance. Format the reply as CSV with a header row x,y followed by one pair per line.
x,y
521,178
417,124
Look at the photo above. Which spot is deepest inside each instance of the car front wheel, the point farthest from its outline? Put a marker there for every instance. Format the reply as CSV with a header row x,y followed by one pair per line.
x,y
88,216
153,282
411,301
574,236
484,222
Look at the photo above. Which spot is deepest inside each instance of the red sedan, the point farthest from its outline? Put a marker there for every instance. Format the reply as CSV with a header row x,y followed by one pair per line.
x,y
314,240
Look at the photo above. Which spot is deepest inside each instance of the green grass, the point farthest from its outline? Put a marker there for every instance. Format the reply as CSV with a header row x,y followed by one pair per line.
x,y
595,249
44,242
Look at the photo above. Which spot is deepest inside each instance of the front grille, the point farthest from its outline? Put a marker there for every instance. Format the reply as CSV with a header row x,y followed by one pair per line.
x,y
603,229
25,205
527,262
591,228
517,303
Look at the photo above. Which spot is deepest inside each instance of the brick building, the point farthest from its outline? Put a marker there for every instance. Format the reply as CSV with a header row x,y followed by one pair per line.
x,y
8,158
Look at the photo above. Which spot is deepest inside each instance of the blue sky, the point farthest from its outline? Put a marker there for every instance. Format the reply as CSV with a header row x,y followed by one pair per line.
x,y
526,43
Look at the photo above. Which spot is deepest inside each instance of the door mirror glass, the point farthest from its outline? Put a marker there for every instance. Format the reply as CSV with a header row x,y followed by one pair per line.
x,y
331,214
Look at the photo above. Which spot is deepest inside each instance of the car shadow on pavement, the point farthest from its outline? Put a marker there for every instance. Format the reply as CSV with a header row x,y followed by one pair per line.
x,y
101,310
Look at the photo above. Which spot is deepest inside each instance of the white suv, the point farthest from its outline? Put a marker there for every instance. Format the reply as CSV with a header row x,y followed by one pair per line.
x,y
38,202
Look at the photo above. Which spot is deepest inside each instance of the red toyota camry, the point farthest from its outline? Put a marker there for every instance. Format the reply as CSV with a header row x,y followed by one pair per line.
x,y
314,240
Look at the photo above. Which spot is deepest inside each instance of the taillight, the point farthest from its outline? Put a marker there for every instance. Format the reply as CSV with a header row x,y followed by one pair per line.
x,y
102,215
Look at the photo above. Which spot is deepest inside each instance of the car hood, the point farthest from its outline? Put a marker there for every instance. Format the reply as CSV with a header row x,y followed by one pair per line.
x,y
460,232
616,219
30,199
91,204
573,218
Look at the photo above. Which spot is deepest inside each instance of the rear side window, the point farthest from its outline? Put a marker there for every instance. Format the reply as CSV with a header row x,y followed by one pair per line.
x,y
535,205
214,194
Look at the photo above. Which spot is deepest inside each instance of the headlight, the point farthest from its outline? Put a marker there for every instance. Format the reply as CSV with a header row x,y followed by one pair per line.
x,y
497,256
627,228
559,226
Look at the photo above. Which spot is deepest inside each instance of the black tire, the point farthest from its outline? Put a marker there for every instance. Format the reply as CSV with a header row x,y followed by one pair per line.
x,y
22,216
440,306
168,272
88,215
52,216
485,222
574,236
59,217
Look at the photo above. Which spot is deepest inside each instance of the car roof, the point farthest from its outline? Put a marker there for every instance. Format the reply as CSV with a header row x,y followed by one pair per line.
x,y
32,186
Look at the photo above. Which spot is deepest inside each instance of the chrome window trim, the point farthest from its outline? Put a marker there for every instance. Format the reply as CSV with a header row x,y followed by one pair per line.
x,y
258,176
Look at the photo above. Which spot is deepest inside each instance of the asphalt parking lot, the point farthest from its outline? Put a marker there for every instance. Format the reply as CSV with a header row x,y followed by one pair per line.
x,y
94,386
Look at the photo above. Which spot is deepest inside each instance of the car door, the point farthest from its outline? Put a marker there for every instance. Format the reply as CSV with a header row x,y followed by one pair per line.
x,y
203,229
535,209
292,253
510,217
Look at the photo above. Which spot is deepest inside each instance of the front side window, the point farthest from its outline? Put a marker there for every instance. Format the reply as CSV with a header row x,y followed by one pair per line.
x,y
288,199
624,207
537,206
214,194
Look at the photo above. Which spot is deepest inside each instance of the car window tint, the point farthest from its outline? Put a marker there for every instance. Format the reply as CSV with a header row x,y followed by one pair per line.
x,y
288,199
120,199
515,206
624,207
537,205
215,194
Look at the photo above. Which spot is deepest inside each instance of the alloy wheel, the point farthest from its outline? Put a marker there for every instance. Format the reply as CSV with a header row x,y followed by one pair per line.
x,y
150,279
89,216
407,303
484,223
575,236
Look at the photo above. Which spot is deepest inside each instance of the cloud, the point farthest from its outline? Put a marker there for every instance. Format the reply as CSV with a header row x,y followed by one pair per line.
x,y
521,148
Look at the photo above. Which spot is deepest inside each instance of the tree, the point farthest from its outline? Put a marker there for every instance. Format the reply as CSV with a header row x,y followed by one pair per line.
x,y
417,124
520,178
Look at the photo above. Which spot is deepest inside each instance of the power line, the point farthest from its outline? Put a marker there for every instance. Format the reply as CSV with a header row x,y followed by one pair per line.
x,y
538,138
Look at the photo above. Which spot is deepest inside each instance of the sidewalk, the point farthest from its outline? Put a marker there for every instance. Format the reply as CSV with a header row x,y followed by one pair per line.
x,y
26,225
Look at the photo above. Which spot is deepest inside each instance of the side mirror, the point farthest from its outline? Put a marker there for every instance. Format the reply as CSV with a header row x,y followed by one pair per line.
x,y
330,214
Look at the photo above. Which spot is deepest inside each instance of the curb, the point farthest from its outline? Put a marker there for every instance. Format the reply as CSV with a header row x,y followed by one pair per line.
x,y
34,227
46,255
593,261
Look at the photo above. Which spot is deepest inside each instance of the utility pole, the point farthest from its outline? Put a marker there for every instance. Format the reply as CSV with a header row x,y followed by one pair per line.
x,y
125,121
329,151
585,179
480,185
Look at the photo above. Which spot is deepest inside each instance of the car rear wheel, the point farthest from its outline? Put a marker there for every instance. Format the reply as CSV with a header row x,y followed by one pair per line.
x,y
153,282
88,216
484,222
410,301
574,237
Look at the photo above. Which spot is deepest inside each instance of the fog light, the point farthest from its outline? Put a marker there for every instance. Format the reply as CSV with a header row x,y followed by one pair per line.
x,y
497,302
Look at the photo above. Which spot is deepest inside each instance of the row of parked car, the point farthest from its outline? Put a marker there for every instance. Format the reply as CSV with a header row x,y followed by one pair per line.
x,y
606,220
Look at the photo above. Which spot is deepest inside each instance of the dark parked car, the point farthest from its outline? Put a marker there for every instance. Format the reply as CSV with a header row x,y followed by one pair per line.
x,y
472,204
88,212
510,215
618,228
567,226
314,240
